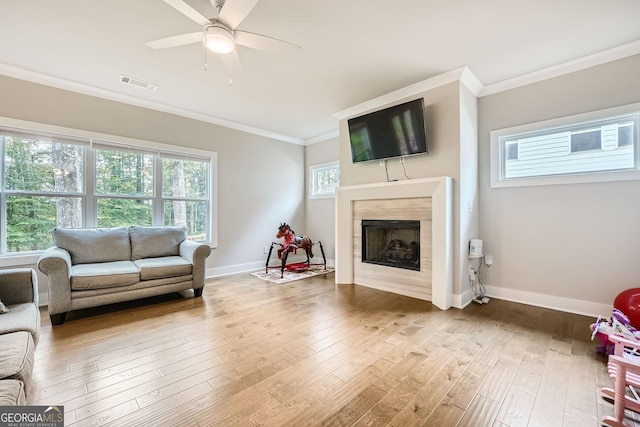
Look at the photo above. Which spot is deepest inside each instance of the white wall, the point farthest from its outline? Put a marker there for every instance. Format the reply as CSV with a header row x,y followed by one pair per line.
x,y
573,247
260,180
320,217
469,212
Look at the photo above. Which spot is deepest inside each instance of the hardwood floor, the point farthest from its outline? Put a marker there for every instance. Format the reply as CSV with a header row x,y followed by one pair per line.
x,y
252,353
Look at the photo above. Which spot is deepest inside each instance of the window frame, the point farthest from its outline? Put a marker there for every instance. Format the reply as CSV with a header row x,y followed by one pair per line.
x,y
313,173
163,198
498,155
5,194
89,197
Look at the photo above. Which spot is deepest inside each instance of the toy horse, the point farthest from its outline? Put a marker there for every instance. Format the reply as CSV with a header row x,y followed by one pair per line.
x,y
293,242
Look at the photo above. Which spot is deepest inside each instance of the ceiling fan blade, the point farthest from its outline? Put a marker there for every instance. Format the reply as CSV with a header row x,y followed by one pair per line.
x,y
260,42
234,11
180,40
188,11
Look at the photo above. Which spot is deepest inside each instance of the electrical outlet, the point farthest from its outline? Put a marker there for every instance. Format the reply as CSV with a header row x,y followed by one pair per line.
x,y
472,273
488,260
266,249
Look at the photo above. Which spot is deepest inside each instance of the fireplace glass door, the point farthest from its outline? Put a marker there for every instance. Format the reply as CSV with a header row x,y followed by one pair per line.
x,y
391,243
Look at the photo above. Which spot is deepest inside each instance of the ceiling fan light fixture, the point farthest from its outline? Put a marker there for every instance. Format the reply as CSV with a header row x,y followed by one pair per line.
x,y
219,40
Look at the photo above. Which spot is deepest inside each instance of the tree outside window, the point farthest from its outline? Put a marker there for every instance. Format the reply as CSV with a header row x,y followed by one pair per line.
x,y
185,185
323,180
43,186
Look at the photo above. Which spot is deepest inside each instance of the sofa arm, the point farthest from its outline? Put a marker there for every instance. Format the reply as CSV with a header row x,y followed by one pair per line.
x,y
196,253
18,285
56,264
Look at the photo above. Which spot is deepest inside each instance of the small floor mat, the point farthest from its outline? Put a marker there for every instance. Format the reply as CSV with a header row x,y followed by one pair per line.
x,y
273,275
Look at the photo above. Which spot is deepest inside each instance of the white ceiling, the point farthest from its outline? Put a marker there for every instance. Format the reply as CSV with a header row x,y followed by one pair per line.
x,y
353,51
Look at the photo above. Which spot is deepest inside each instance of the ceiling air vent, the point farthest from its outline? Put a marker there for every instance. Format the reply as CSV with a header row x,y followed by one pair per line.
x,y
138,83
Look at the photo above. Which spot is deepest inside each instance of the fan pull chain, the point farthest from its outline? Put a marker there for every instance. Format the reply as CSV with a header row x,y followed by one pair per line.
x,y
204,43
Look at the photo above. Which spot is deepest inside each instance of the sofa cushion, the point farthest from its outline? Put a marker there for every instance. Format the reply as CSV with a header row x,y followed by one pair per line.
x,y
157,268
153,242
16,357
89,245
12,393
103,275
22,317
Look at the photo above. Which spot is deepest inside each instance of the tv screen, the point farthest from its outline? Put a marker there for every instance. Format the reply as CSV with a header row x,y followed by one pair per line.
x,y
396,131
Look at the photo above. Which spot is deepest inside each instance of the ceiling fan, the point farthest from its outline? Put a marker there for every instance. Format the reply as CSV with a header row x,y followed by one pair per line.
x,y
220,35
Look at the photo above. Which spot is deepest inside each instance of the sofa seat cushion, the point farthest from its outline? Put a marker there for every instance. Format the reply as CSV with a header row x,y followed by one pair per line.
x,y
168,266
103,275
143,288
21,317
12,393
16,357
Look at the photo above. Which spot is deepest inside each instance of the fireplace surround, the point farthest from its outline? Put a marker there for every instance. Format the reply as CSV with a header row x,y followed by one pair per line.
x,y
427,200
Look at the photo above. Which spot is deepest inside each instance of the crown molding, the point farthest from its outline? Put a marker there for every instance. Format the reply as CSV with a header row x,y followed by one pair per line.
x,y
585,62
321,138
34,77
462,74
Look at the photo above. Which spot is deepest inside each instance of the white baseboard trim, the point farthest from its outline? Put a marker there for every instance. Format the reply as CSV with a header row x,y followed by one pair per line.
x,y
569,305
461,300
233,269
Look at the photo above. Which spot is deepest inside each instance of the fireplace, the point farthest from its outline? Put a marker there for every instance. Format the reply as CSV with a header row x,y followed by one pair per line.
x,y
392,243
426,200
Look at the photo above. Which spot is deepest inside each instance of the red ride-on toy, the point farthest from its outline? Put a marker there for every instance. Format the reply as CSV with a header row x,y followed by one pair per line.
x,y
292,243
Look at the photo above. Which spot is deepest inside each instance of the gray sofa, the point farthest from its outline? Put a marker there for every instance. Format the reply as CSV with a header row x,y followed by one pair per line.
x,y
19,333
93,267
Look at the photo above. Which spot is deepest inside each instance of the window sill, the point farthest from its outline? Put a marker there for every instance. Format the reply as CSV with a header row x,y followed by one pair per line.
x,y
19,260
629,175
322,196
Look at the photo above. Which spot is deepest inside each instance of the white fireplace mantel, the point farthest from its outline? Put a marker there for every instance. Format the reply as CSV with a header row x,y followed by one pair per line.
x,y
439,189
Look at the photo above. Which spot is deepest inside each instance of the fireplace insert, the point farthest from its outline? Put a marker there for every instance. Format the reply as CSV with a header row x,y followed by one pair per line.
x,y
393,243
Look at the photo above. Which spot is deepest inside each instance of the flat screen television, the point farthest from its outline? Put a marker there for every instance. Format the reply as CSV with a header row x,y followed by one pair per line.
x,y
396,131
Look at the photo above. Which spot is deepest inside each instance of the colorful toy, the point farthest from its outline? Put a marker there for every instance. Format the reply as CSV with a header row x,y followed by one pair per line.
x,y
617,324
628,301
291,243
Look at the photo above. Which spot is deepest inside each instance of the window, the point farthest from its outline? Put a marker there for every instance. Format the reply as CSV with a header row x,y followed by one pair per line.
x,y
50,181
323,180
185,195
42,188
124,187
625,134
586,140
512,150
598,146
